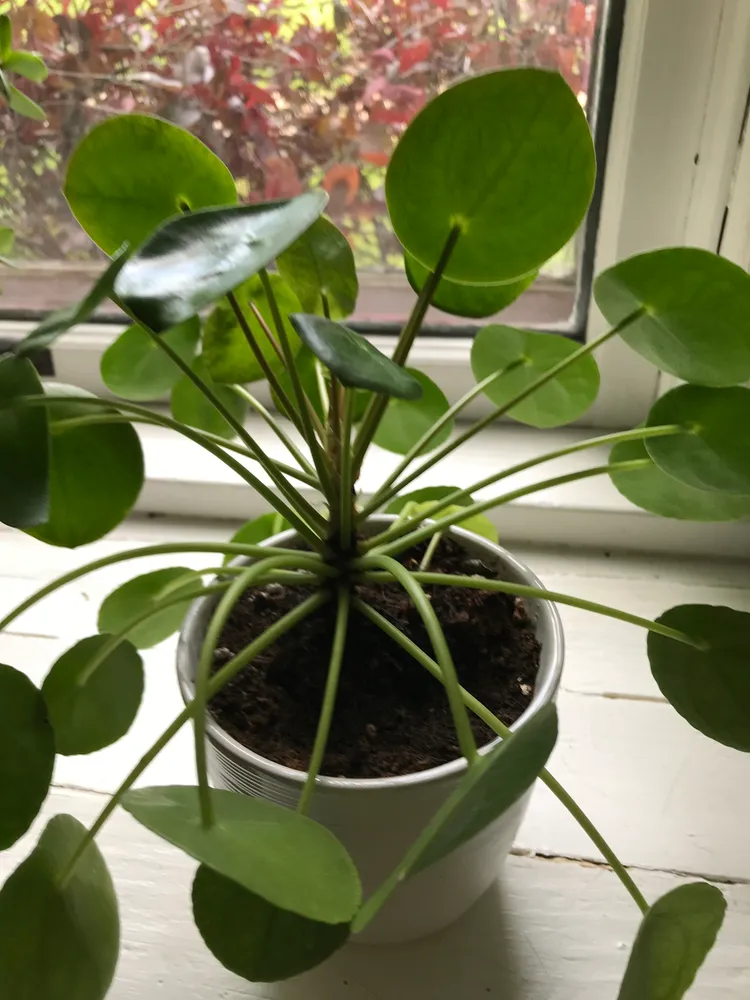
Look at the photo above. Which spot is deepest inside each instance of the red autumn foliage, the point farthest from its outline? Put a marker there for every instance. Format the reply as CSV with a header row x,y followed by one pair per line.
x,y
287,92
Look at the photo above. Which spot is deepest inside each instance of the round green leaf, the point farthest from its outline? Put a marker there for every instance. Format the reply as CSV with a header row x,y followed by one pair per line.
x,y
471,301
27,754
420,502
564,398
507,157
191,407
255,939
653,490
258,530
24,447
90,710
697,320
225,348
406,420
96,473
135,367
490,786
673,940
714,453
192,261
132,172
287,859
58,941
319,264
143,594
353,359
710,688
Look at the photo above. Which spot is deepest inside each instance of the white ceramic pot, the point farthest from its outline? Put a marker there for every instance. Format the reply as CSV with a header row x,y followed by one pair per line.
x,y
377,819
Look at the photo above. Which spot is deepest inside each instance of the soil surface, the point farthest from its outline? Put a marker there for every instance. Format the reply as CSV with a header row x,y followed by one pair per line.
x,y
391,715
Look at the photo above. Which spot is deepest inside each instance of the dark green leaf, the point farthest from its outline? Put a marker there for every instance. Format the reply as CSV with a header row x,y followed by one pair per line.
x,y
490,786
697,319
96,473
708,687
353,358
258,530
564,398
6,37
135,367
406,420
142,594
655,491
714,453
321,263
191,407
57,323
24,447
193,261
471,301
23,105
90,710
673,940
58,942
27,754
26,64
287,859
225,348
255,939
131,173
508,157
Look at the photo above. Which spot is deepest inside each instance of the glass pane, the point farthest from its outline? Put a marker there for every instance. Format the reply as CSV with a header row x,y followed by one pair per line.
x,y
289,93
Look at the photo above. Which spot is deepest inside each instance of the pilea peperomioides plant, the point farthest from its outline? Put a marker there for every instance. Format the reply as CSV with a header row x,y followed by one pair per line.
x,y
488,181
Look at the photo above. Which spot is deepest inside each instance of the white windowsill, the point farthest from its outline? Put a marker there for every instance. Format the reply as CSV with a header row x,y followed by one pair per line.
x,y
183,480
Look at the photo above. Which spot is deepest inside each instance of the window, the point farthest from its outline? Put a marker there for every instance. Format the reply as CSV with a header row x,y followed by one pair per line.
x,y
291,92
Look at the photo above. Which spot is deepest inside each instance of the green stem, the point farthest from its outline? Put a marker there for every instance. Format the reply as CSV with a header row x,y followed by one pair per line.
x,y
268,417
426,611
203,674
220,678
458,495
500,411
378,403
226,548
521,590
329,697
497,726
428,530
384,493
346,514
429,552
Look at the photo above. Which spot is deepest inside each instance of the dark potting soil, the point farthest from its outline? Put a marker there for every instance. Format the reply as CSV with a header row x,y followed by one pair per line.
x,y
391,715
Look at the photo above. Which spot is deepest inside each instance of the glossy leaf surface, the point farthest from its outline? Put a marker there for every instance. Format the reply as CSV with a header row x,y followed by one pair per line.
x,y
255,939
697,320
135,367
191,407
714,455
675,936
287,859
90,710
225,347
143,594
194,260
710,688
24,447
491,785
131,173
320,264
561,400
353,358
471,301
517,201
27,754
58,942
406,420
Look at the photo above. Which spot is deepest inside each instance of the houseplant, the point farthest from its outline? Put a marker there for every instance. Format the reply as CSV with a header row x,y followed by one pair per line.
x,y
475,229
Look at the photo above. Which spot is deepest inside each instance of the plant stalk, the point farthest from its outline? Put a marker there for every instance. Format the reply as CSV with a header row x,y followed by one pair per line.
x,y
269,419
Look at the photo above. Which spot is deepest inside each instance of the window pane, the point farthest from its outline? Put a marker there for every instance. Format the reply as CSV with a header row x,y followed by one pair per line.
x,y
289,93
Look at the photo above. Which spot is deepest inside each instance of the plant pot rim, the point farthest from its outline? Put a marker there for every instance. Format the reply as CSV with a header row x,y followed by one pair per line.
x,y
548,677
